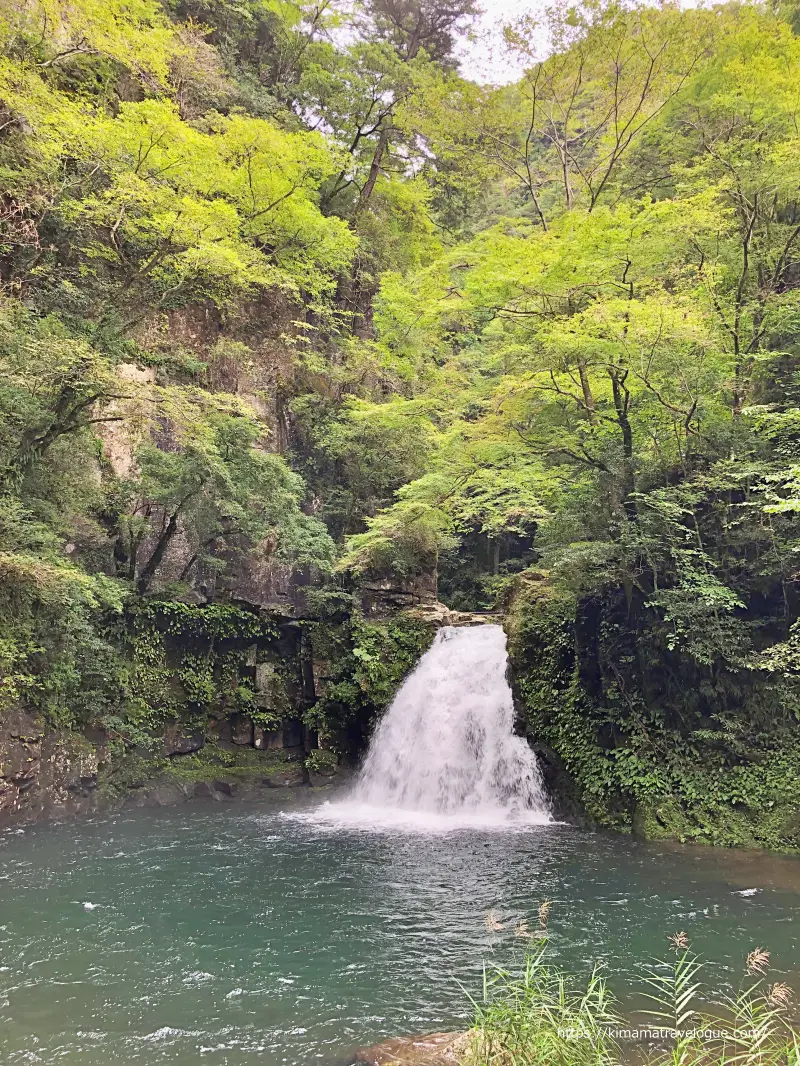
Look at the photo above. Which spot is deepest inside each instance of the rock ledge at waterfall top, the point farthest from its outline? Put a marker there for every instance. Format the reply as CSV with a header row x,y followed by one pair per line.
x,y
438,615
435,1049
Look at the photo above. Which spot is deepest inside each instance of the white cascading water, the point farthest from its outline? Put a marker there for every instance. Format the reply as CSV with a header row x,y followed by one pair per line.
x,y
445,752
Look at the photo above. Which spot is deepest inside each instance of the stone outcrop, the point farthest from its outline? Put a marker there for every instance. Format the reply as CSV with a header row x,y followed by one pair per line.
x,y
56,774
436,1049
44,772
20,760
242,731
177,742
321,672
438,615
247,784
382,597
271,690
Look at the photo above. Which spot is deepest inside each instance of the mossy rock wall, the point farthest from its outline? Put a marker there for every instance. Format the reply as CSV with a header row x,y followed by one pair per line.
x,y
359,665
632,736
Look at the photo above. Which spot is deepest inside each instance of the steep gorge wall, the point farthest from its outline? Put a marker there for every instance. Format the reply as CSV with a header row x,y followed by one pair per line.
x,y
224,699
220,710
224,718
628,729
237,670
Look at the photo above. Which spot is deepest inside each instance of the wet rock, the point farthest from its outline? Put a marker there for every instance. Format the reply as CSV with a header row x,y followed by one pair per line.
x,y
242,730
293,736
436,1049
68,775
321,671
20,759
165,794
288,735
208,790
433,614
42,772
260,580
438,615
475,618
381,598
271,690
176,742
220,729
290,776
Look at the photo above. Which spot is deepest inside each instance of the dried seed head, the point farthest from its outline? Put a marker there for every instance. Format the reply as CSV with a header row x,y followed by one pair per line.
x,y
780,995
679,941
521,929
492,922
757,961
544,913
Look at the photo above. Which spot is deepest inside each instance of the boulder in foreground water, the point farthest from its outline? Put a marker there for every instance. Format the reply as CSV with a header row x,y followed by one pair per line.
x,y
436,1049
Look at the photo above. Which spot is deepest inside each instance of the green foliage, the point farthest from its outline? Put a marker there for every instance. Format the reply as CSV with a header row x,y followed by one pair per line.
x,y
607,361
161,212
405,542
133,33
220,483
543,1015
158,161
367,662
129,770
363,452
212,761
322,762
288,301
58,646
526,1018
188,662
661,739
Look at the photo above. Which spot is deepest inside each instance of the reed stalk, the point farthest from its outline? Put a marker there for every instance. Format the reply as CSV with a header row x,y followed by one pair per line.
x,y
539,1015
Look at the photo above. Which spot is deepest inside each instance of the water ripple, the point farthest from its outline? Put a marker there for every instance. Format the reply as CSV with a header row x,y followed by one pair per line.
x,y
262,939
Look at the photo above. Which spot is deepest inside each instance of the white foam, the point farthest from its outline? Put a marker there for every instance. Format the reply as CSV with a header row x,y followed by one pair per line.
x,y
445,757
361,816
164,1033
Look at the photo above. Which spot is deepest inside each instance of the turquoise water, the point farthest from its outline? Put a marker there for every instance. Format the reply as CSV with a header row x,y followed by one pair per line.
x,y
235,935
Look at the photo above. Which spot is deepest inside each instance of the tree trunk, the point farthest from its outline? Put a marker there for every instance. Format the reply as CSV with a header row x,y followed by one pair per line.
x,y
153,563
374,171
622,406
586,388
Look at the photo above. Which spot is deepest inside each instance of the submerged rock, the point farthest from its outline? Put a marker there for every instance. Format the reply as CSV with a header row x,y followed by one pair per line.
x,y
435,1049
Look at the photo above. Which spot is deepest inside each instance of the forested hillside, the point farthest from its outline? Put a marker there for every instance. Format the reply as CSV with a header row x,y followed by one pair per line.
x,y
296,313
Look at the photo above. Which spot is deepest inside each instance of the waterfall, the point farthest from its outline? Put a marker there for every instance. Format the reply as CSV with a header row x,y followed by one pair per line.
x,y
446,749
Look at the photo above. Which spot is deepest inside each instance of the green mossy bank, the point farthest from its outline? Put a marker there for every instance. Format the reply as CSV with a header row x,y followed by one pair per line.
x,y
630,731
